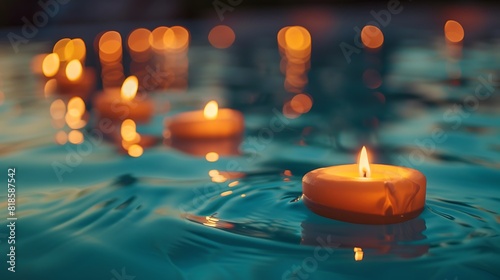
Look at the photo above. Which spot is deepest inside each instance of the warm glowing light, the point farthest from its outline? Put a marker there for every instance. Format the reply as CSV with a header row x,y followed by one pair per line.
x,y
61,137
138,40
221,36
135,150
297,38
75,49
358,254
364,164
213,173
372,37
453,31
74,70
57,109
50,65
75,137
76,107
76,110
226,193
289,112
156,38
36,63
129,88
176,38
110,42
211,110
301,103
110,47
128,130
60,48
212,156
50,87
233,184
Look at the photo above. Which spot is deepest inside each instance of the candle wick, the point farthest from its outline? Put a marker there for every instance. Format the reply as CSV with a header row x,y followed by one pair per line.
x,y
364,173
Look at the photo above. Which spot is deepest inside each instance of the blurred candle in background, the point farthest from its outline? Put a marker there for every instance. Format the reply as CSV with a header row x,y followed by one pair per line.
x,y
209,123
122,103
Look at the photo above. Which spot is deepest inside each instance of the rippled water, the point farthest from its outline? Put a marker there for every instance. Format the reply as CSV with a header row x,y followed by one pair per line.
x,y
172,215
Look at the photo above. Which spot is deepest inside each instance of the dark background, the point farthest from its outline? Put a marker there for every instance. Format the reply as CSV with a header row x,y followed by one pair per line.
x,y
97,11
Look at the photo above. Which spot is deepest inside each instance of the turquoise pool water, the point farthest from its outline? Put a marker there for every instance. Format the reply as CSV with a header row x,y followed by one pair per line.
x,y
173,215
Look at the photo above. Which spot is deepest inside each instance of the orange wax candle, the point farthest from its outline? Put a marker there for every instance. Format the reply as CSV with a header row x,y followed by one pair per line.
x,y
120,104
365,193
211,122
75,79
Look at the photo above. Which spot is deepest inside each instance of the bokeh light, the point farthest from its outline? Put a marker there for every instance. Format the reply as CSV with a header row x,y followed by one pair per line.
x,y
74,70
212,157
221,36
75,137
454,32
50,65
372,37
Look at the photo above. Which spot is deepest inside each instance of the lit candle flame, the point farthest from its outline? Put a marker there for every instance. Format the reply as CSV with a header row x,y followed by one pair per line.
x,y
211,110
364,164
74,70
129,88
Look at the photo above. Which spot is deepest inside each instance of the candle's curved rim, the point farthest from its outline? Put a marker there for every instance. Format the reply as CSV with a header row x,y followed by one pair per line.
x,y
379,172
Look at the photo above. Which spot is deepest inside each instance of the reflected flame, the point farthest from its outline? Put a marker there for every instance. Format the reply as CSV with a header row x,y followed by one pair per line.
x,y
364,164
76,107
57,109
212,157
135,150
226,193
50,87
358,254
50,65
372,37
76,110
211,110
453,31
129,88
75,137
61,137
74,70
301,103
128,130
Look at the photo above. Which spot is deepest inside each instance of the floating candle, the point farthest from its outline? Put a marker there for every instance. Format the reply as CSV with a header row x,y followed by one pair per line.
x,y
121,104
211,122
75,79
365,193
